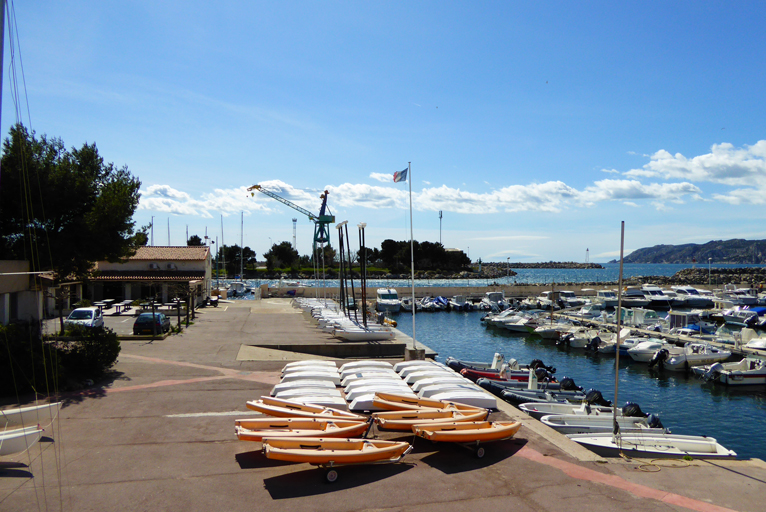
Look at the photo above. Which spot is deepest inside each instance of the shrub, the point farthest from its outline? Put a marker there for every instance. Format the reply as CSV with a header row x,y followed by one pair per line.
x,y
26,362
91,353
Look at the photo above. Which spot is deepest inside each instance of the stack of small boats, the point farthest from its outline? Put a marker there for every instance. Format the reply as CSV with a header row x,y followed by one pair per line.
x,y
330,437
353,385
329,318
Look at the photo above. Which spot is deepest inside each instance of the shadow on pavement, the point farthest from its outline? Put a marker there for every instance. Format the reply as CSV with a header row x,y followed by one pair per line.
x,y
451,458
312,482
256,459
98,390
14,470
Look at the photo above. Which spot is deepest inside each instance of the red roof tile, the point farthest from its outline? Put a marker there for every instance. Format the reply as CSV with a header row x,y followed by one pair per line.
x,y
171,253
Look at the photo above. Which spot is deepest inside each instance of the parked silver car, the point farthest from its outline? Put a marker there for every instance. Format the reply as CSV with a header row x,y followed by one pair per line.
x,y
86,317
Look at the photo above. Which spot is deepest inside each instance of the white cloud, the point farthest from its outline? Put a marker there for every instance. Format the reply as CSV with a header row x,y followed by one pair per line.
x,y
610,171
382,177
630,203
725,164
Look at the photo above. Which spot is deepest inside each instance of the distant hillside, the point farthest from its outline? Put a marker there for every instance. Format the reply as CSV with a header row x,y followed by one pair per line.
x,y
719,251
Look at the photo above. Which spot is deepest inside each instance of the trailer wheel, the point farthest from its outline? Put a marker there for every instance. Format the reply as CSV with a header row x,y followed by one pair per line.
x,y
479,452
332,476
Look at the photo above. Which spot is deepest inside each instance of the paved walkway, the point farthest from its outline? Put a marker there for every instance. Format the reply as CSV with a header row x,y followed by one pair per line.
x,y
160,436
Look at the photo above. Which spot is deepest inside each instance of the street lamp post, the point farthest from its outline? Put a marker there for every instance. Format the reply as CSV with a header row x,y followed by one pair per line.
x,y
708,270
508,270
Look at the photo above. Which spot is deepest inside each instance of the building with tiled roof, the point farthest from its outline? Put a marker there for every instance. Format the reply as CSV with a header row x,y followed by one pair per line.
x,y
158,272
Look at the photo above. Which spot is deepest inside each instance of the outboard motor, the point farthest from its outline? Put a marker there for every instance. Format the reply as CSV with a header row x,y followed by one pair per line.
x,y
568,384
542,375
659,358
713,372
593,344
566,340
654,421
594,397
454,364
633,410
538,363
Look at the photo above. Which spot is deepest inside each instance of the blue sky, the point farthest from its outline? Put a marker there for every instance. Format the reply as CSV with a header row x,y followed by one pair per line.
x,y
536,127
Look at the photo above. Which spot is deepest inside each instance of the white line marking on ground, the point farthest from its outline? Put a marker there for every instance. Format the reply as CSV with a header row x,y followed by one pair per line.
x,y
203,414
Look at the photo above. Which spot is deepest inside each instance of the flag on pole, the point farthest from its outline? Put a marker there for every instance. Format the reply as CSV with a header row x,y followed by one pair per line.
x,y
400,176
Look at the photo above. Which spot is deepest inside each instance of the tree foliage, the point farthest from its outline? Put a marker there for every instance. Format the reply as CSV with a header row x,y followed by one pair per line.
x,y
194,240
230,254
428,256
282,255
64,209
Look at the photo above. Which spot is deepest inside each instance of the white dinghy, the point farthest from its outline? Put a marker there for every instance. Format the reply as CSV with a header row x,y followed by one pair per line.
x,y
19,440
653,445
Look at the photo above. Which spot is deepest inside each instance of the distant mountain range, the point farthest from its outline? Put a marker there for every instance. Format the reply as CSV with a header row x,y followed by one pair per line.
x,y
719,251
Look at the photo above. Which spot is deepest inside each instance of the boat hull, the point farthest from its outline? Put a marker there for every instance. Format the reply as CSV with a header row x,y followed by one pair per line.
x,y
654,446
468,432
321,451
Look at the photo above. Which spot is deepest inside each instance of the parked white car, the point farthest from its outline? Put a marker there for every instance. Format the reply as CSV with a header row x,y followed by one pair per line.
x,y
86,317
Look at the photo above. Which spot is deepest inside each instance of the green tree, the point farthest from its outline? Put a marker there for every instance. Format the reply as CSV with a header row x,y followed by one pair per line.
x,y
64,209
194,240
282,255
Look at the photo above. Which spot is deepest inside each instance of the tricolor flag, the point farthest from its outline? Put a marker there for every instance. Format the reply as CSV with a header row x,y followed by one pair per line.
x,y
400,176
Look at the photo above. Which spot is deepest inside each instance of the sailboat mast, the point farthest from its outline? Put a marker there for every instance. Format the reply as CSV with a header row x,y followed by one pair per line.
x,y
241,245
616,427
412,256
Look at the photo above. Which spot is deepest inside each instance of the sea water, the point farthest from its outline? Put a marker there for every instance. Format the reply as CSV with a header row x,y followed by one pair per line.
x,y
735,416
609,274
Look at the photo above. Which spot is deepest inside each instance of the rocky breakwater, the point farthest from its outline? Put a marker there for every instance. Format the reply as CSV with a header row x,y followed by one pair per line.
x,y
717,276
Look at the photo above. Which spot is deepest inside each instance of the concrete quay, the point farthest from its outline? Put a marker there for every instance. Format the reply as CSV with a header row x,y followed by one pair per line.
x,y
159,435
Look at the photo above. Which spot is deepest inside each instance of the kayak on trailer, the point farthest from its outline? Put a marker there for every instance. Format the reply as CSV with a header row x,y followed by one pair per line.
x,y
397,402
321,451
258,428
404,420
468,431
289,408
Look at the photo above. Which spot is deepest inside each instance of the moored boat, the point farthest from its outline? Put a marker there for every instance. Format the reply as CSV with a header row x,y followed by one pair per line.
x,y
653,445
748,371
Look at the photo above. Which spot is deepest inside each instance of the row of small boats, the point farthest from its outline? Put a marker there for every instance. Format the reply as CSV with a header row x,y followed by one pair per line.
x,y
329,318
588,419
329,437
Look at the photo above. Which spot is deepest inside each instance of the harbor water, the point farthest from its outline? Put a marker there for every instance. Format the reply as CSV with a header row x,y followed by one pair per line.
x,y
735,416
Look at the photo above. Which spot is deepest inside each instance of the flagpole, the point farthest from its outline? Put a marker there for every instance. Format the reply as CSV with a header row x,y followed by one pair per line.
x,y
412,256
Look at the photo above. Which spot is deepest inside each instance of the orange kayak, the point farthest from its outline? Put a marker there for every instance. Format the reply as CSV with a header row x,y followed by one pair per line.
x,y
405,420
467,431
394,402
318,450
287,408
257,429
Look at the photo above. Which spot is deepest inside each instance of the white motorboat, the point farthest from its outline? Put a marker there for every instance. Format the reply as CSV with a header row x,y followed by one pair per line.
x,y
694,354
387,299
459,303
593,423
570,300
42,414
692,297
644,351
657,299
608,298
654,445
494,301
237,289
539,409
750,370
19,440
633,297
